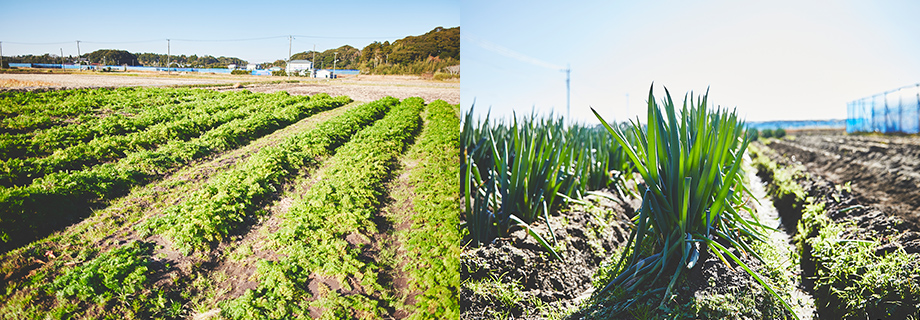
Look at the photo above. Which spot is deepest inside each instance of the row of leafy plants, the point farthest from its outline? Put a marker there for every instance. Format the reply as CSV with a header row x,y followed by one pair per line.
x,y
119,281
208,115
851,276
115,117
25,112
514,174
232,198
312,238
61,198
432,245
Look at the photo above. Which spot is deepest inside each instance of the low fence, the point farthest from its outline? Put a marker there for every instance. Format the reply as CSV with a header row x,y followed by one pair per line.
x,y
888,112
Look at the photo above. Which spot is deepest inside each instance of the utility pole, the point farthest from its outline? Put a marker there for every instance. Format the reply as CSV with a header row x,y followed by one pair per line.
x,y
287,66
78,49
62,59
313,63
167,56
568,71
334,60
1,54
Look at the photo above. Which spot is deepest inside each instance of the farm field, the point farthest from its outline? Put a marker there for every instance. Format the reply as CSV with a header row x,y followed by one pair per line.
x,y
359,88
194,203
852,199
809,226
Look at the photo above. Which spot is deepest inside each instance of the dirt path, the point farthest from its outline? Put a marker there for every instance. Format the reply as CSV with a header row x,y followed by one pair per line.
x,y
882,172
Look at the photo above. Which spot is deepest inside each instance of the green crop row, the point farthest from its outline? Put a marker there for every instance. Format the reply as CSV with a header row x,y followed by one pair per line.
x,y
211,115
24,112
118,119
111,285
852,278
434,245
64,197
516,174
312,237
231,198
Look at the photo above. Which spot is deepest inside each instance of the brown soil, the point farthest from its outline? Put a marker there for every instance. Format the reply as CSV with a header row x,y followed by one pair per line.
x,y
882,171
521,261
398,213
878,207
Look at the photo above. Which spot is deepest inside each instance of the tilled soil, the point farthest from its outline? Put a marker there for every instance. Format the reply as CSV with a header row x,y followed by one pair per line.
x,y
877,207
888,211
882,172
589,234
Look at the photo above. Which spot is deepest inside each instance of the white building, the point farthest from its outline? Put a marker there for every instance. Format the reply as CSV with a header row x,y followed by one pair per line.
x,y
299,67
231,66
252,66
325,74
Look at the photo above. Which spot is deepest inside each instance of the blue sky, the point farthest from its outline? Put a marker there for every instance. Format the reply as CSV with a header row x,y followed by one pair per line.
x,y
776,60
144,26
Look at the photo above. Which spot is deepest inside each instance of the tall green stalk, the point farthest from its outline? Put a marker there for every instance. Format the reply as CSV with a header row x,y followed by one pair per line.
x,y
691,166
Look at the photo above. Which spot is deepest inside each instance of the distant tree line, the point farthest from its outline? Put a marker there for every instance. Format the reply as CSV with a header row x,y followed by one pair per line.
x,y
426,53
192,61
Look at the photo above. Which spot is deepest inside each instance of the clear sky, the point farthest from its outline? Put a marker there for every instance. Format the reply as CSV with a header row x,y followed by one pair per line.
x,y
773,60
144,26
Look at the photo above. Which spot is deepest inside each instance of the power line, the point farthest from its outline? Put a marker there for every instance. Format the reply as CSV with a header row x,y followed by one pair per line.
x,y
37,43
197,40
331,37
123,42
230,40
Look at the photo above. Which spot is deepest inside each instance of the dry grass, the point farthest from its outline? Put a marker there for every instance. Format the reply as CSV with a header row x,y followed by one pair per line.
x,y
13,83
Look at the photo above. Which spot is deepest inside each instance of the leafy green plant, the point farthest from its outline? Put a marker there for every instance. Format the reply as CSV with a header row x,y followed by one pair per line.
x,y
779,133
691,165
231,198
430,242
115,274
514,175
61,197
312,237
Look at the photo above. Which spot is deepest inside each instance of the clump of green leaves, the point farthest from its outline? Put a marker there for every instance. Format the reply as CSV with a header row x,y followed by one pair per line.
x,y
119,273
691,165
516,174
230,199
312,236
428,240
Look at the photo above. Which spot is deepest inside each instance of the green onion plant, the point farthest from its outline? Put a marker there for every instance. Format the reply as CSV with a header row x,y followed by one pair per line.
x,y
516,174
691,166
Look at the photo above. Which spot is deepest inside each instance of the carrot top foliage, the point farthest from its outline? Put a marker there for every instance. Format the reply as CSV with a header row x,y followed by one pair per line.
x,y
690,160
